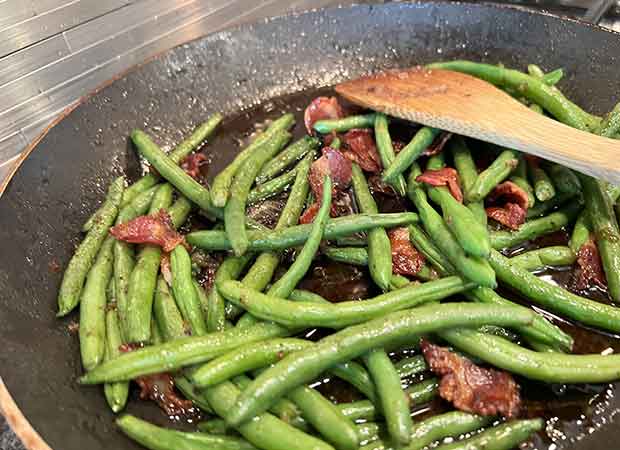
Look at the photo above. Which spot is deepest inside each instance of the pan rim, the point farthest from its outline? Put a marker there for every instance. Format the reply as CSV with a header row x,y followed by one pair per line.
x,y
20,425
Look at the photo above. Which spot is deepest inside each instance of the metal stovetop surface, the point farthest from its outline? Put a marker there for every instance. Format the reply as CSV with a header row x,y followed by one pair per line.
x,y
52,52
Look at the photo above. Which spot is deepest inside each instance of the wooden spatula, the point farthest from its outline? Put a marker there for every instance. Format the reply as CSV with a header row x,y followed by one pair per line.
x,y
472,107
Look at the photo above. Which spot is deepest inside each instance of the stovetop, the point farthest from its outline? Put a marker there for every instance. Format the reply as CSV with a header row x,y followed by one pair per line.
x,y
54,52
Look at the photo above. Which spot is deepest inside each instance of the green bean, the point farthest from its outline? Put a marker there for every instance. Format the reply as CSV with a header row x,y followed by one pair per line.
x,y
610,125
468,173
613,192
336,143
605,228
356,256
470,233
581,233
272,187
93,305
412,365
386,152
412,151
214,426
541,258
326,418
115,393
552,78
368,432
157,438
418,394
84,256
345,124
436,428
501,437
223,181
535,90
527,188
497,172
554,297
167,316
535,228
543,186
541,208
535,71
234,212
147,182
356,375
379,247
143,279
342,314
179,211
265,430
179,353
387,331
423,243
184,291
190,392
472,268
394,402
247,358
288,156
564,179
294,236
185,184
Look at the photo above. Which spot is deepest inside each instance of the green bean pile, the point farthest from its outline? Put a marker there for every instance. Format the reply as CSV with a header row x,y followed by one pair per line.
x,y
238,350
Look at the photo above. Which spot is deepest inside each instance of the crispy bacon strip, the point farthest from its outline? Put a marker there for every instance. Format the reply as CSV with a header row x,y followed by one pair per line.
x,y
191,164
159,387
438,144
341,206
322,108
589,267
153,229
443,177
406,260
471,388
334,164
513,212
360,148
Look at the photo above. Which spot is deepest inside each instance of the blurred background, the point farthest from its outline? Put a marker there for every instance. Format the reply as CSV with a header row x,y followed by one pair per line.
x,y
52,52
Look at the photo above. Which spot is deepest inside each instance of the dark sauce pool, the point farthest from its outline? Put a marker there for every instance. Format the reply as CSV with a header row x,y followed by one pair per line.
x,y
571,411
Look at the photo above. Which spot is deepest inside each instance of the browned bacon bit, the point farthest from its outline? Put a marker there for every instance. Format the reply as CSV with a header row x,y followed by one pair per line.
x,y
443,177
165,269
191,164
310,213
514,210
322,108
589,267
377,185
438,144
341,206
159,387
153,229
360,148
406,260
130,347
334,164
398,146
471,388
73,327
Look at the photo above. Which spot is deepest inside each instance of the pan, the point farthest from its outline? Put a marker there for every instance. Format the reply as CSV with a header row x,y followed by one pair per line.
x,y
63,179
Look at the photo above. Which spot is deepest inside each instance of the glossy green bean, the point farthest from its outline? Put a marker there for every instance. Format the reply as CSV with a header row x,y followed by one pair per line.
x,y
555,298
498,171
185,184
368,432
342,314
214,426
190,392
541,208
143,279
543,186
234,211
356,375
581,232
115,393
387,331
223,181
179,353
409,366
552,78
423,243
286,157
610,126
468,173
158,438
501,437
386,152
84,256
167,315
294,236
412,151
272,187
184,291
558,255
92,308
379,247
179,211
145,183
345,124
564,179
535,228
436,428
394,402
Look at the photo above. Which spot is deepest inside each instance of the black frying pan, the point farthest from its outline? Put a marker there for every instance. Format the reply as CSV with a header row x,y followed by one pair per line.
x,y
60,183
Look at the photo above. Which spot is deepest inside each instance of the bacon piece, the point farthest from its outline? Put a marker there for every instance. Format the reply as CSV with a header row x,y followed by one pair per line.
x,y
471,388
406,260
438,144
341,206
153,229
398,146
514,210
191,164
377,185
159,387
310,213
322,108
334,164
360,147
443,177
589,267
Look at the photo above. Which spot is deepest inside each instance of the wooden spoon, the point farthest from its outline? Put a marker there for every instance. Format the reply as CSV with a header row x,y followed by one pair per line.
x,y
472,107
